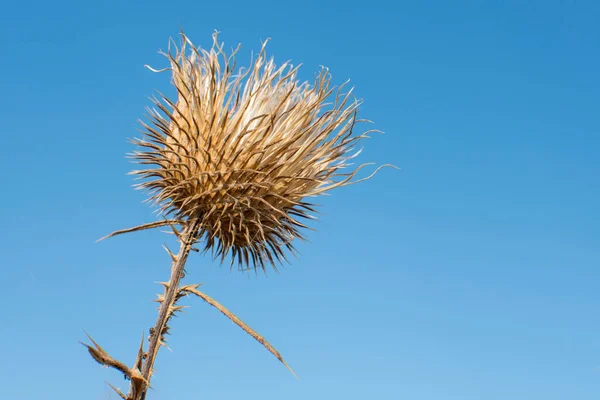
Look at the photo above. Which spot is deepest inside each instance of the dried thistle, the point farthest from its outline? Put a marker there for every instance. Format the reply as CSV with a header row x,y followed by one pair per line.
x,y
231,163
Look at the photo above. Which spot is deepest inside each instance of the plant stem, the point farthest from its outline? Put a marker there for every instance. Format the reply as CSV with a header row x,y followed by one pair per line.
x,y
187,238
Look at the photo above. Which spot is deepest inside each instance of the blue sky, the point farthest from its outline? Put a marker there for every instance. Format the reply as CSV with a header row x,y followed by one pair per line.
x,y
470,274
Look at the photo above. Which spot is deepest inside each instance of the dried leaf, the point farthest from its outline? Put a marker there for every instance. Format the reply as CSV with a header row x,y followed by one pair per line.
x,y
239,323
150,225
102,357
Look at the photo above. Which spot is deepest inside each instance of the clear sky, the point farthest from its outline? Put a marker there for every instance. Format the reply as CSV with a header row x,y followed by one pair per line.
x,y
470,274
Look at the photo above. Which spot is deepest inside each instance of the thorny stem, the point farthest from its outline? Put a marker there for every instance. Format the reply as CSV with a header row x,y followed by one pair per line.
x,y
141,372
187,239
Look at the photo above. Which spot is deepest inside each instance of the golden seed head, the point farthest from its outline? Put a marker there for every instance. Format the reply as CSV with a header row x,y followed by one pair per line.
x,y
239,151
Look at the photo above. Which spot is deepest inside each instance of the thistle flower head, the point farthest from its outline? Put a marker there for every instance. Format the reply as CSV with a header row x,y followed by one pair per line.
x,y
240,151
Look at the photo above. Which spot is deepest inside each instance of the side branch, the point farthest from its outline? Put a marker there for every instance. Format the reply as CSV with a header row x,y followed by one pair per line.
x,y
193,290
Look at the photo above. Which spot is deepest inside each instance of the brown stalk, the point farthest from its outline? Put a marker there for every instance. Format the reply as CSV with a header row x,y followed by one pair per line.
x,y
187,239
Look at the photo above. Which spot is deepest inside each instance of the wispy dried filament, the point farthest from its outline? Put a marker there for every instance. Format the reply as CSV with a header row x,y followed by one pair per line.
x,y
240,151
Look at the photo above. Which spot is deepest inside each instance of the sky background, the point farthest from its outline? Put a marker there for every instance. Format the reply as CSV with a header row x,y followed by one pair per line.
x,y
472,273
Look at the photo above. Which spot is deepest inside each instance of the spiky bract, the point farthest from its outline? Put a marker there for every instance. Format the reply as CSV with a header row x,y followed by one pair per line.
x,y
240,151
